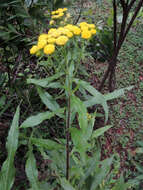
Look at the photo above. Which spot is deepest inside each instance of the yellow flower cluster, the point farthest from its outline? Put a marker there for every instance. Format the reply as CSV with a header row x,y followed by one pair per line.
x,y
58,13
60,36
87,30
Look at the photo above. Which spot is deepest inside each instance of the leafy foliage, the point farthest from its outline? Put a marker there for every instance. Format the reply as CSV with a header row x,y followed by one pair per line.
x,y
7,173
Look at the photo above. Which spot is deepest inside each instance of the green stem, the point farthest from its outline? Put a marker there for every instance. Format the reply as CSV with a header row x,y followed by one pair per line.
x,y
67,140
68,121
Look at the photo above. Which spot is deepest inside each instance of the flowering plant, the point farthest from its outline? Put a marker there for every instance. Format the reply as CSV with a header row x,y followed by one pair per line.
x,y
64,48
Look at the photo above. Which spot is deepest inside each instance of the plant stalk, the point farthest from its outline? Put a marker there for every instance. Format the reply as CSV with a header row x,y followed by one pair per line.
x,y
68,138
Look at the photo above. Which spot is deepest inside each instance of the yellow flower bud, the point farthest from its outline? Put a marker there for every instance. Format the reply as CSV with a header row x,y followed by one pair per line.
x,y
61,40
65,9
93,31
41,43
51,40
52,22
49,49
34,49
91,26
86,34
76,30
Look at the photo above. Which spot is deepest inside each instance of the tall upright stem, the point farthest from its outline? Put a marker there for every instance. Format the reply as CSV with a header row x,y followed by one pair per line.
x,y
67,139
68,83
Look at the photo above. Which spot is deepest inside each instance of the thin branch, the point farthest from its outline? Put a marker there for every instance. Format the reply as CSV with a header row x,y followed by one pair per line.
x,y
121,35
123,4
133,17
127,2
130,5
115,22
81,7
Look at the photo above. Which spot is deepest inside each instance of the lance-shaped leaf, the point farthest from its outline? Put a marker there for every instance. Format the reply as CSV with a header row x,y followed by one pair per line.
x,y
100,131
49,101
46,143
39,118
31,171
8,170
101,172
117,93
66,185
80,136
96,98
44,82
78,106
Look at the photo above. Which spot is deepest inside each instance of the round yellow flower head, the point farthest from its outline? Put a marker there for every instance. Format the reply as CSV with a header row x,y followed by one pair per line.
x,y
68,33
52,22
34,49
55,16
61,40
61,14
84,28
86,34
51,30
51,40
53,12
76,30
55,34
49,49
60,10
61,30
69,27
83,24
65,9
42,36
41,43
92,26
93,31
56,12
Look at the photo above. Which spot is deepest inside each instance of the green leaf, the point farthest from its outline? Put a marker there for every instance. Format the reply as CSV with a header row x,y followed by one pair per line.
x,y
55,85
91,166
96,98
78,106
8,170
12,29
31,171
80,136
66,185
120,184
37,119
117,93
71,70
2,101
78,139
46,143
100,131
101,172
44,82
47,99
